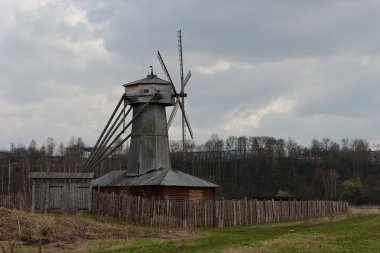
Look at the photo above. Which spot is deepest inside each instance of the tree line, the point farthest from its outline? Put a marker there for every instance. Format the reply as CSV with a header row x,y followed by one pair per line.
x,y
262,166
257,166
19,160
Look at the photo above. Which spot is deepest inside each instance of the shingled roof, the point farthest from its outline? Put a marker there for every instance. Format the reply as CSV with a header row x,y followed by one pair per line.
x,y
161,177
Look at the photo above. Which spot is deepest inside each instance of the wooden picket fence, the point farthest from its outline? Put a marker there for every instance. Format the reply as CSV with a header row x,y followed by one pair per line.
x,y
16,201
210,213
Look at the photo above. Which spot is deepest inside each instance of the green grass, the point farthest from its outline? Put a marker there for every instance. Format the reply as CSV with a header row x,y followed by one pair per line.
x,y
353,234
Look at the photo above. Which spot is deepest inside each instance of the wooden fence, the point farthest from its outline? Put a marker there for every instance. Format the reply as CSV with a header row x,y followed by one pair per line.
x,y
16,201
210,213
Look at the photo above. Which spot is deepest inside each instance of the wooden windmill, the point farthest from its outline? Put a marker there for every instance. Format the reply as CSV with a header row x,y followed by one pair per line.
x,y
149,172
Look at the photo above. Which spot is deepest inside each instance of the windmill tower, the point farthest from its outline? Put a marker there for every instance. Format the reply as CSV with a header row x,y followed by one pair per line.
x,y
149,148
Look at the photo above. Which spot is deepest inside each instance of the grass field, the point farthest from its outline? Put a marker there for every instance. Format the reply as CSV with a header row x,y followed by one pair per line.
x,y
356,232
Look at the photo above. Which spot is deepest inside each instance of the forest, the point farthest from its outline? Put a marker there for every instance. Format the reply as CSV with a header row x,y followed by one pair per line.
x,y
250,167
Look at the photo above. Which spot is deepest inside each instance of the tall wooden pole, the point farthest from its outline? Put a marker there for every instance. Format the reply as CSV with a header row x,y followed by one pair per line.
x,y
182,99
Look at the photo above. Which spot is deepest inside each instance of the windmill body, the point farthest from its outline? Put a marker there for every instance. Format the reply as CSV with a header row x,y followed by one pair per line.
x,y
149,148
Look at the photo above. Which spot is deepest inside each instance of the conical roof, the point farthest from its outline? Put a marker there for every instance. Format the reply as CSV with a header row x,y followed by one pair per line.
x,y
150,79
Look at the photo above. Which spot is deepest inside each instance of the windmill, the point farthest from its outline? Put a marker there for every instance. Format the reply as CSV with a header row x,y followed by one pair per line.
x,y
147,99
148,172
179,98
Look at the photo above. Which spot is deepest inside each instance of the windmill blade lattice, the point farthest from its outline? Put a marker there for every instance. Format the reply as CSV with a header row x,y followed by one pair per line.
x,y
172,115
176,95
186,78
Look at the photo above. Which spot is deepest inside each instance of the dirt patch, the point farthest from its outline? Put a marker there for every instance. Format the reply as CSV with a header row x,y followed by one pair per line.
x,y
365,209
315,221
249,250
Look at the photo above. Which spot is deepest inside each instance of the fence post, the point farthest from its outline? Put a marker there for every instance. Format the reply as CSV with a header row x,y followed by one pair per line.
x,y
234,213
33,195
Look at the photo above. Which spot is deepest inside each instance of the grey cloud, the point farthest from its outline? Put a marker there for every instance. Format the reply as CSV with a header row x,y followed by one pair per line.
x,y
255,30
306,51
344,88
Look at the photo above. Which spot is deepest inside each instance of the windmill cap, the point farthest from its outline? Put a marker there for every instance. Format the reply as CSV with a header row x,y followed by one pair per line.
x,y
151,78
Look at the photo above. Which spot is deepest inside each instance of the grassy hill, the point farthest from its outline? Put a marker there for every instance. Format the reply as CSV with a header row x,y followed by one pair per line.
x,y
26,232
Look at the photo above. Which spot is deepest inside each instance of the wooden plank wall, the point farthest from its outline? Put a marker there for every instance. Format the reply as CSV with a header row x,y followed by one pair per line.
x,y
171,193
61,197
210,213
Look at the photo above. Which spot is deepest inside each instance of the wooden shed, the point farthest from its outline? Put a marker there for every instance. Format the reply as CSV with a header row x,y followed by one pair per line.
x,y
61,191
156,184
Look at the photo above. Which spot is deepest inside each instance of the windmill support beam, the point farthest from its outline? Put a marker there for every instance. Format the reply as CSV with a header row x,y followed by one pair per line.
x,y
105,128
100,156
111,151
110,134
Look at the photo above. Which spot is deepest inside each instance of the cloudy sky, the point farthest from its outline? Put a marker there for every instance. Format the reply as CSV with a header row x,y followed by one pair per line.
x,y
299,69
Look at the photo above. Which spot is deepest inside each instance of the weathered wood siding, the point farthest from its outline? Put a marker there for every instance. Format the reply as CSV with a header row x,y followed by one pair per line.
x,y
210,213
165,192
55,196
149,147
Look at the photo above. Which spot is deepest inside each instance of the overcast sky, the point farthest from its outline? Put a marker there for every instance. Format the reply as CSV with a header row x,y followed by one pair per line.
x,y
300,69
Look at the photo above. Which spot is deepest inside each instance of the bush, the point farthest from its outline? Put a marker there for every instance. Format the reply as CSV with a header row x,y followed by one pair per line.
x,y
282,193
352,190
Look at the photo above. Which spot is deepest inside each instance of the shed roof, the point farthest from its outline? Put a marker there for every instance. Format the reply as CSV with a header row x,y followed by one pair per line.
x,y
61,175
150,79
163,177
109,179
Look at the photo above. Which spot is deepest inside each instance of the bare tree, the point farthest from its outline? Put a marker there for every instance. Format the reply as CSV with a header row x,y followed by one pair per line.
x,y
50,146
